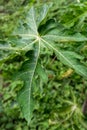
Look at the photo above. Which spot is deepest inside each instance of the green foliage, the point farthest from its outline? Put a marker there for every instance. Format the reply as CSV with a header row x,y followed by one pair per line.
x,y
33,51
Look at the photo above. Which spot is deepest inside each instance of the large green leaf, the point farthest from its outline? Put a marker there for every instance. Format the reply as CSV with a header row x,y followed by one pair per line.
x,y
28,38
25,36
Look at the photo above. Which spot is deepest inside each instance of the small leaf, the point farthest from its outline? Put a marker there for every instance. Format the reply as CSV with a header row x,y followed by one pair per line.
x,y
41,72
65,110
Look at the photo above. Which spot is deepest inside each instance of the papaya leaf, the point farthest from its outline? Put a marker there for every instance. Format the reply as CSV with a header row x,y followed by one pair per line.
x,y
27,36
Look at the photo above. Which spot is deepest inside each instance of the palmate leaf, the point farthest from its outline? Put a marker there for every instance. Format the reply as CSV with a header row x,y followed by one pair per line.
x,y
24,37
28,38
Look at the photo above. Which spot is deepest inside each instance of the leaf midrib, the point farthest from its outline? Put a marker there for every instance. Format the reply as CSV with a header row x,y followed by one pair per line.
x,y
32,78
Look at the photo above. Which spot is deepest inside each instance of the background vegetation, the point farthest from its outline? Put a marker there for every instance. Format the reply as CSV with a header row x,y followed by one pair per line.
x,y
61,92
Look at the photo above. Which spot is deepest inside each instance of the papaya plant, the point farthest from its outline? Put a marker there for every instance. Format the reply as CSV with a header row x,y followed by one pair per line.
x,y
34,34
